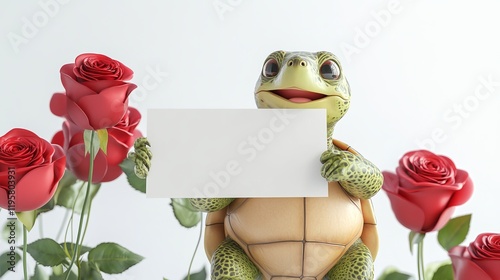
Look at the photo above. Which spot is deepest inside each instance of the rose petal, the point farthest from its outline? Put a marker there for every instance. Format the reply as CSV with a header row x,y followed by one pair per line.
x,y
59,161
117,150
391,182
441,221
74,90
463,267
126,73
490,266
137,134
432,203
79,163
407,213
101,85
77,115
410,185
35,188
425,166
134,118
467,187
18,132
58,138
106,109
58,104
114,171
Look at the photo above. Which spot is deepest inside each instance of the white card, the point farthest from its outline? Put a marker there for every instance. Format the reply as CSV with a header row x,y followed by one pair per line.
x,y
236,153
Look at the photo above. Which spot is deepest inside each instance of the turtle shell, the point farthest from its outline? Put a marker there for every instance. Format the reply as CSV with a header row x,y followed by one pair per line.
x,y
295,238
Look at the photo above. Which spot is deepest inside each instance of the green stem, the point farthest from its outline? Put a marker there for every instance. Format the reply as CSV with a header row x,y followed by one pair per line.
x,y
79,241
86,222
420,259
196,248
25,249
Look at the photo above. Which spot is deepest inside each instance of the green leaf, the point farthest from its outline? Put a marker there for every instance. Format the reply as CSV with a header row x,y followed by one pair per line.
x,y
12,230
102,135
72,276
185,213
27,218
444,272
113,258
432,267
415,238
47,252
75,195
39,274
58,269
454,232
200,275
47,207
90,138
66,181
8,261
70,246
89,271
392,273
137,183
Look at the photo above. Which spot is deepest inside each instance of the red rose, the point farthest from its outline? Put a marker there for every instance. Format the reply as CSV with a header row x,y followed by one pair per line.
x,y
121,138
425,190
96,95
30,169
481,260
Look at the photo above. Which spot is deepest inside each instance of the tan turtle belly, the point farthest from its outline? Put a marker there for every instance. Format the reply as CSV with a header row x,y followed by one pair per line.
x,y
295,238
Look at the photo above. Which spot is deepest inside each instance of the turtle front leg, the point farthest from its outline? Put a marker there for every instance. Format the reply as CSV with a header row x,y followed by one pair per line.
x,y
355,174
230,262
355,264
210,204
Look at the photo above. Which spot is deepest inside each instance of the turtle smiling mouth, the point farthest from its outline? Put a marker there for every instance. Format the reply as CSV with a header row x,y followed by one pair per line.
x,y
298,95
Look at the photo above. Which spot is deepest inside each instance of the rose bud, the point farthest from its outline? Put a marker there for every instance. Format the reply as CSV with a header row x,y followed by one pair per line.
x,y
96,92
480,260
425,190
30,170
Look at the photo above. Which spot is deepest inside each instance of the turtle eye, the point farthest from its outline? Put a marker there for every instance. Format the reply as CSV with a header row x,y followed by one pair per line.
x,y
270,68
329,70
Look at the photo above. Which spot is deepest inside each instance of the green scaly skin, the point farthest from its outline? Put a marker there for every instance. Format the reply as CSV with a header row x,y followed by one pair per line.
x,y
210,204
355,264
355,174
230,262
297,81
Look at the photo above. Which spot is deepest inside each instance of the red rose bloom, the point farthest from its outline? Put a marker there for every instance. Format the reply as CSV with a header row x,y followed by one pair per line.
x,y
121,138
96,95
480,260
425,190
30,170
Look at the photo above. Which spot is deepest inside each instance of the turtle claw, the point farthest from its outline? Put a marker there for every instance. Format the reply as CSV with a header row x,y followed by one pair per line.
x,y
334,165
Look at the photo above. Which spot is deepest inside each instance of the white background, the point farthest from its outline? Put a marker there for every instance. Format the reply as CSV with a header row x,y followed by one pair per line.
x,y
409,72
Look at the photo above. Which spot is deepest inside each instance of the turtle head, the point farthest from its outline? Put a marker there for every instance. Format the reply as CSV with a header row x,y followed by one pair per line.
x,y
302,80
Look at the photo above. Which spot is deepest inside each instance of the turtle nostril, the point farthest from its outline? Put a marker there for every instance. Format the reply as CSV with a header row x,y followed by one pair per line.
x,y
297,61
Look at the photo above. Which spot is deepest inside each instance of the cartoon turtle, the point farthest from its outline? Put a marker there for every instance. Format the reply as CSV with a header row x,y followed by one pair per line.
x,y
332,237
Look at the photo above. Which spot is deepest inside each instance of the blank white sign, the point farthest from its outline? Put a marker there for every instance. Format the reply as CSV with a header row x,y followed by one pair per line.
x,y
236,153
